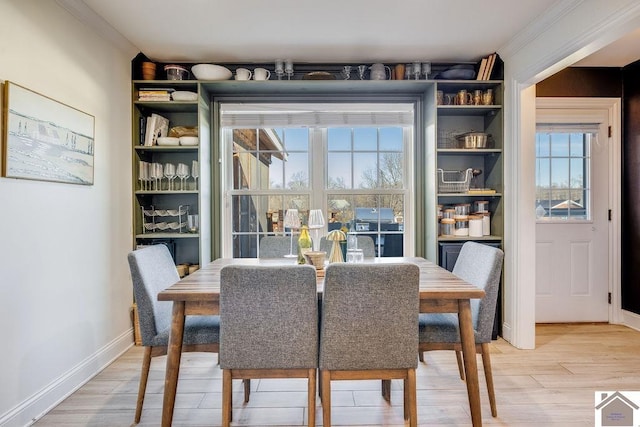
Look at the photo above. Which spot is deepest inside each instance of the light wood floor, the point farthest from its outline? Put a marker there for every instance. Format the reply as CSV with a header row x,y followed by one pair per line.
x,y
552,385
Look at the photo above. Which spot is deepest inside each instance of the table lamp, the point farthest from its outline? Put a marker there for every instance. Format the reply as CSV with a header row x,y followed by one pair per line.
x,y
292,222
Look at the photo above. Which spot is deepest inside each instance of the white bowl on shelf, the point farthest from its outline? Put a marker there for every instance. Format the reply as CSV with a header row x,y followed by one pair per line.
x,y
168,140
211,72
189,140
184,95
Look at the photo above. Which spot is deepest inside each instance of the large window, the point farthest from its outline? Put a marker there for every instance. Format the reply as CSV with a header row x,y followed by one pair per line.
x,y
358,175
563,172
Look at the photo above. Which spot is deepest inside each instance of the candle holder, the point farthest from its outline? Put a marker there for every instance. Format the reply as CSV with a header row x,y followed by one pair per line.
x,y
288,68
279,68
292,222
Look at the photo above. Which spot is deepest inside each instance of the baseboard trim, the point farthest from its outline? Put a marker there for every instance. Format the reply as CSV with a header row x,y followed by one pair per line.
x,y
36,406
631,320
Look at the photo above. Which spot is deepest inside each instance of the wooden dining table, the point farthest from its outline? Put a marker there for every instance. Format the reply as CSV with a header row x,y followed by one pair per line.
x,y
440,292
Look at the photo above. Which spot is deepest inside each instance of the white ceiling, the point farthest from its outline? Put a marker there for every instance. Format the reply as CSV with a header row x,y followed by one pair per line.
x,y
346,31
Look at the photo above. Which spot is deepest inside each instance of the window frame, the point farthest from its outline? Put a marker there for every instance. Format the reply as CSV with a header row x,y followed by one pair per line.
x,y
588,122
318,179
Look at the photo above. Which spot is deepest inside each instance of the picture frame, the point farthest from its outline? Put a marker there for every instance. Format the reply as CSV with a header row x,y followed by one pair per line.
x,y
45,140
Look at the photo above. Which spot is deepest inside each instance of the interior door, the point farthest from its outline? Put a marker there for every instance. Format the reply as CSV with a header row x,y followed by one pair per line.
x,y
572,207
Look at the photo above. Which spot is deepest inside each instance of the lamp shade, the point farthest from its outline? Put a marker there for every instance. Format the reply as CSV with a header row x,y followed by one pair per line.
x,y
291,219
316,220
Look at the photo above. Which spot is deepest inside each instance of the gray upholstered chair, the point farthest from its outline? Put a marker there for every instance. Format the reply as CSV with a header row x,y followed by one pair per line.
x,y
369,328
277,246
364,242
153,270
480,265
269,327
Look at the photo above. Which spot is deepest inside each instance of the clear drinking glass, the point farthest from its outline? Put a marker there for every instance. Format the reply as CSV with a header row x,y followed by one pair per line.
x,y
192,223
182,171
195,172
156,174
143,174
170,174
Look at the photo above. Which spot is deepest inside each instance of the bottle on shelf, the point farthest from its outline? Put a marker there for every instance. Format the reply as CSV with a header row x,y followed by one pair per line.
x,y
304,244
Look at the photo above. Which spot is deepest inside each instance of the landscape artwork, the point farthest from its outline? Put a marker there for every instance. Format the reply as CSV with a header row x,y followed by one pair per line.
x,y
44,139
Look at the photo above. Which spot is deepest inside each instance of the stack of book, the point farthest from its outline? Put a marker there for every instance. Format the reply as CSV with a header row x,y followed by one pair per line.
x,y
488,66
154,94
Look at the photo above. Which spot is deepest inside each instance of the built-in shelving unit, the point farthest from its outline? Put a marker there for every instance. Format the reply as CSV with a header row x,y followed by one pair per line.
x,y
188,245
454,120
435,120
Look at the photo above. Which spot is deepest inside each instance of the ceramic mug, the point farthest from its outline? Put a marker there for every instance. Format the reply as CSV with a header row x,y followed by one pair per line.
x,y
243,74
261,74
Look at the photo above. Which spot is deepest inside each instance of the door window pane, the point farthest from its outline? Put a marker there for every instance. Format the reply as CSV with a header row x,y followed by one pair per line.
x,y
562,175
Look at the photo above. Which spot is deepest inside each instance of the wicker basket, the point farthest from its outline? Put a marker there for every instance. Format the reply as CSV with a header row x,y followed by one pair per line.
x,y
454,181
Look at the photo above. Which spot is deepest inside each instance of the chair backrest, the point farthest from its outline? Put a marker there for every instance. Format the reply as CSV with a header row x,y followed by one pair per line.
x,y
277,246
364,242
370,316
481,265
268,317
152,270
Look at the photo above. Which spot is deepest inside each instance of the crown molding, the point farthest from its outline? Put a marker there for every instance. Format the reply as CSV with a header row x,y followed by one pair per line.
x,y
95,22
538,26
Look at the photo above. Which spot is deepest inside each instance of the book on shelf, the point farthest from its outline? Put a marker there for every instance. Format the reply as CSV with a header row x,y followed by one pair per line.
x,y
154,94
156,126
490,66
481,69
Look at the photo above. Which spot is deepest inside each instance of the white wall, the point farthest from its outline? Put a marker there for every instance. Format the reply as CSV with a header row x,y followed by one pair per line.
x,y
568,32
65,291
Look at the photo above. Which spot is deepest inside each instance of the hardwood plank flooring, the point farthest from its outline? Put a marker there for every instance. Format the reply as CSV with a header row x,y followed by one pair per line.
x,y
552,385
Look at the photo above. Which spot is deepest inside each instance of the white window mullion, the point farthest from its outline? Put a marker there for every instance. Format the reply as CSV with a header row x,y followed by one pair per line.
x,y
317,168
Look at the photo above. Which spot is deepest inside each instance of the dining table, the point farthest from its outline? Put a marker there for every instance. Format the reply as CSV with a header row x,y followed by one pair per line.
x,y
440,292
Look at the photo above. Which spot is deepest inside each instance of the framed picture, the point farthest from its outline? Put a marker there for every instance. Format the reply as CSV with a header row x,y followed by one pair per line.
x,y
44,139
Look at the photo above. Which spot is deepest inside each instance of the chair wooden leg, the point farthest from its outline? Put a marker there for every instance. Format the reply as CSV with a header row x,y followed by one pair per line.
x,y
410,398
325,380
311,397
460,364
144,376
421,356
386,390
226,397
405,398
247,389
488,374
